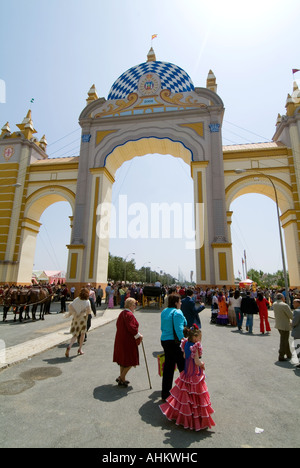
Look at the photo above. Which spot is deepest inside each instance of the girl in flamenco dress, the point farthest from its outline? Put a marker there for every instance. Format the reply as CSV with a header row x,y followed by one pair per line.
x,y
189,401
222,318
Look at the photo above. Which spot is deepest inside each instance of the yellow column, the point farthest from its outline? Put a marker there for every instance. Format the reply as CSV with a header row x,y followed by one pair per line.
x,y
202,246
88,261
8,177
229,222
223,264
75,261
10,261
98,236
29,232
223,259
289,224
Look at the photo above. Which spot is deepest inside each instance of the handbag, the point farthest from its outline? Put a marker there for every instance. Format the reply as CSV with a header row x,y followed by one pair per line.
x,y
161,364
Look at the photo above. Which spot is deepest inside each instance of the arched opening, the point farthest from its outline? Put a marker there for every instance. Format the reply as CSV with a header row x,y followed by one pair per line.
x,y
47,213
51,252
135,146
153,196
255,235
261,224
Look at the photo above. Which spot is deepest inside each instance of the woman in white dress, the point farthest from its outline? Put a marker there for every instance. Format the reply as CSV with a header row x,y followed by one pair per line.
x,y
79,309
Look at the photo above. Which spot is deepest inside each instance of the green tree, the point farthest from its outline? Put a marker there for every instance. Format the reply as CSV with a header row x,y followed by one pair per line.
x,y
117,268
267,280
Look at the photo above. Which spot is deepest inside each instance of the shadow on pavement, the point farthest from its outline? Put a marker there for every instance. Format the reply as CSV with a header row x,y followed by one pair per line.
x,y
110,392
176,436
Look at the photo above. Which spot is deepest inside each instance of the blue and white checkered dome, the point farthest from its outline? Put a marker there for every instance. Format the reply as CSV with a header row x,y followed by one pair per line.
x,y
172,77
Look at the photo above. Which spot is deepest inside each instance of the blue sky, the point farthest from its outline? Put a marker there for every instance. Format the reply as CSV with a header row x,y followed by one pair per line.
x,y
53,51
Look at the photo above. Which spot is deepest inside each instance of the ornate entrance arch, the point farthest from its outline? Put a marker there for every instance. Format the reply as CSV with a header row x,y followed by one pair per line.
x,y
259,164
151,108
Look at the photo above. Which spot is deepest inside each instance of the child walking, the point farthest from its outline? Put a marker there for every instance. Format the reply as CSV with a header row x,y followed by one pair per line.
x,y
189,401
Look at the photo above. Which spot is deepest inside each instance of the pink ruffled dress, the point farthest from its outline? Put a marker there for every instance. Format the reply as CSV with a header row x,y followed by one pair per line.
x,y
189,401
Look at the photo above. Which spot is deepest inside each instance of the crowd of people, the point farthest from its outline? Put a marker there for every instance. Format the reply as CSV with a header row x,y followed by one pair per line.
x,y
188,401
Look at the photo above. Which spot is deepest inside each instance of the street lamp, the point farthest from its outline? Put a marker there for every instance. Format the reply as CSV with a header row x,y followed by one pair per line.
x,y
146,271
132,253
240,171
159,269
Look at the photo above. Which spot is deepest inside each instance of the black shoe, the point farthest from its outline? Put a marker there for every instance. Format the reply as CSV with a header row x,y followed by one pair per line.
x,y
122,384
119,380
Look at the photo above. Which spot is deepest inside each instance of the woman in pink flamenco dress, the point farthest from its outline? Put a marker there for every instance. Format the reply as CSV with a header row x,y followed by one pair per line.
x,y
189,401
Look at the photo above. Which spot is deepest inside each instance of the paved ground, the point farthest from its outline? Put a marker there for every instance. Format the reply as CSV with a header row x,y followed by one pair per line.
x,y
47,400
19,341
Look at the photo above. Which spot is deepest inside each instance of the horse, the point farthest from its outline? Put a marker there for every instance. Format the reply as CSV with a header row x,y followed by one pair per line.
x,y
19,302
21,298
38,296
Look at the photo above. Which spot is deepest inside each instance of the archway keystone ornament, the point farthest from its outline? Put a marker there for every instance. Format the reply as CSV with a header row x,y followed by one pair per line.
x,y
151,108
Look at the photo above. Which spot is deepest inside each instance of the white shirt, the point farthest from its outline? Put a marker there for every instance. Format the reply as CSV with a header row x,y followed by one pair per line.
x,y
236,302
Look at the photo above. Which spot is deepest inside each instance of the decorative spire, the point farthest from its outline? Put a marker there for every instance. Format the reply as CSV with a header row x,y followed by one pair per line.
x,y
92,95
296,93
279,119
26,126
43,143
5,129
290,106
151,56
211,81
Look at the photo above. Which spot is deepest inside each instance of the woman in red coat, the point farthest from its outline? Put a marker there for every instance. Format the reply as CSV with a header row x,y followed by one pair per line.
x,y
262,303
127,339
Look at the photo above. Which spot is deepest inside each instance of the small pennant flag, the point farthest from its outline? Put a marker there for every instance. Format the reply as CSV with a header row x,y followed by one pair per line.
x,y
295,70
153,36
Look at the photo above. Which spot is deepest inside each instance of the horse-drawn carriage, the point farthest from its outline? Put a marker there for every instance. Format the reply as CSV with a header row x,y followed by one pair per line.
x,y
21,298
152,294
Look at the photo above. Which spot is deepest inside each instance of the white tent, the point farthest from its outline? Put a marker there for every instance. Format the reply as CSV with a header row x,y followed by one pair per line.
x,y
39,275
56,276
245,283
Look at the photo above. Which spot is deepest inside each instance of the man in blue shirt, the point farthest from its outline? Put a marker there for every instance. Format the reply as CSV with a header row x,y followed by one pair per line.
x,y
190,311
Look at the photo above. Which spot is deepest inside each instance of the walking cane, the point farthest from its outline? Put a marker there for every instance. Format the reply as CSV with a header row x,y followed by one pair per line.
x,y
146,365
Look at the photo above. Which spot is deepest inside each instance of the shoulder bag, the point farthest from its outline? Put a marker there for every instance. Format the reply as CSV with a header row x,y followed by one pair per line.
x,y
176,339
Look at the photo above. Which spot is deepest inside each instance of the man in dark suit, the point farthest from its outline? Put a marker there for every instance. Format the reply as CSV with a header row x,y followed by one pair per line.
x,y
190,311
249,307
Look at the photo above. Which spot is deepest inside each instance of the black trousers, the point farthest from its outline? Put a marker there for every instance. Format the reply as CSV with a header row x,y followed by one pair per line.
x,y
63,303
173,355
